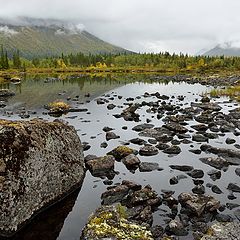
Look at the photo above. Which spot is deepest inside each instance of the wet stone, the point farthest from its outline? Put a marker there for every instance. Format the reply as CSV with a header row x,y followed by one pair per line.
x,y
233,187
111,106
214,174
103,145
175,127
199,189
121,152
115,194
216,162
142,127
173,180
137,141
219,231
107,129
111,135
230,140
198,204
184,168
177,228
237,171
216,189
223,218
162,146
196,173
149,166
195,151
172,150
101,166
148,151
131,161
232,205
199,138
200,127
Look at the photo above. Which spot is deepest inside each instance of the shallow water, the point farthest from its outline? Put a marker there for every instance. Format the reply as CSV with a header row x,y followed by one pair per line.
x,y
34,93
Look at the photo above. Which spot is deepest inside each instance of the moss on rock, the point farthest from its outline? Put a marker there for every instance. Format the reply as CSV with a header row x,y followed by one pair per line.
x,y
112,222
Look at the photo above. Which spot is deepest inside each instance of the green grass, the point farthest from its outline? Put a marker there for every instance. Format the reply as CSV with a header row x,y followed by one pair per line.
x,y
233,92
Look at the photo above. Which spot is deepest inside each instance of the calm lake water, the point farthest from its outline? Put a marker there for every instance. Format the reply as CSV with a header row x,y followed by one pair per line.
x,y
66,221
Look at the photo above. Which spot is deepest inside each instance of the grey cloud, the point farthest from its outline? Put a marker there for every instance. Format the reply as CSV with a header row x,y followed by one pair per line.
x,y
140,25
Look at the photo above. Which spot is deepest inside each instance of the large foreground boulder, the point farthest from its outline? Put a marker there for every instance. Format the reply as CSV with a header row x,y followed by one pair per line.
x,y
40,163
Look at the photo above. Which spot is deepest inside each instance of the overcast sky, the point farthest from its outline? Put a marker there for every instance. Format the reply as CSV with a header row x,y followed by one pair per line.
x,y
143,25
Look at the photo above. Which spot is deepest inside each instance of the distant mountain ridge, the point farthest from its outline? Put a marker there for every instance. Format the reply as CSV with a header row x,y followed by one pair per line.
x,y
49,37
226,49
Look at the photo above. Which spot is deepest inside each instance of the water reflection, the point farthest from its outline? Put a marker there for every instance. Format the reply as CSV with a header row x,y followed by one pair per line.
x,y
48,224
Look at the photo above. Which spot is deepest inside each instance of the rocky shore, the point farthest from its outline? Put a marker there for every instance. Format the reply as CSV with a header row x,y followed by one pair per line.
x,y
167,163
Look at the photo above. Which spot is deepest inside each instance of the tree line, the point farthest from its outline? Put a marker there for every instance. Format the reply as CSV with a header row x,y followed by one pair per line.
x,y
161,61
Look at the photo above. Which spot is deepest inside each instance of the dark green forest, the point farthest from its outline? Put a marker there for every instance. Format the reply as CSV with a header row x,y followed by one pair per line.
x,y
163,61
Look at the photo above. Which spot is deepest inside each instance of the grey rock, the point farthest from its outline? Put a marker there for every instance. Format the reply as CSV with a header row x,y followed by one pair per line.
x,y
237,171
175,127
142,127
172,150
214,174
221,231
177,228
148,151
111,135
137,141
196,173
216,189
184,168
232,156
199,189
149,166
198,204
216,162
199,138
101,166
131,161
42,163
230,140
233,187
111,106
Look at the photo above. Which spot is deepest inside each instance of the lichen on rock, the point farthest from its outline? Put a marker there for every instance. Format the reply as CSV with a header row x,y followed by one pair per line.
x,y
111,222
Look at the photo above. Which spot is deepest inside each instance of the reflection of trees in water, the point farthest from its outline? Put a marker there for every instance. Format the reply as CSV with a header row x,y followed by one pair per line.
x,y
5,85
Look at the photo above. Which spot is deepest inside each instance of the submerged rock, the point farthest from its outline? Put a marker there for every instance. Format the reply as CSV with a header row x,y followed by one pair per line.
x,y
41,162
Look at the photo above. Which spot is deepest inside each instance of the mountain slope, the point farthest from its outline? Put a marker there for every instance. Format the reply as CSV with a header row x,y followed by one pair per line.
x,y
52,40
226,51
